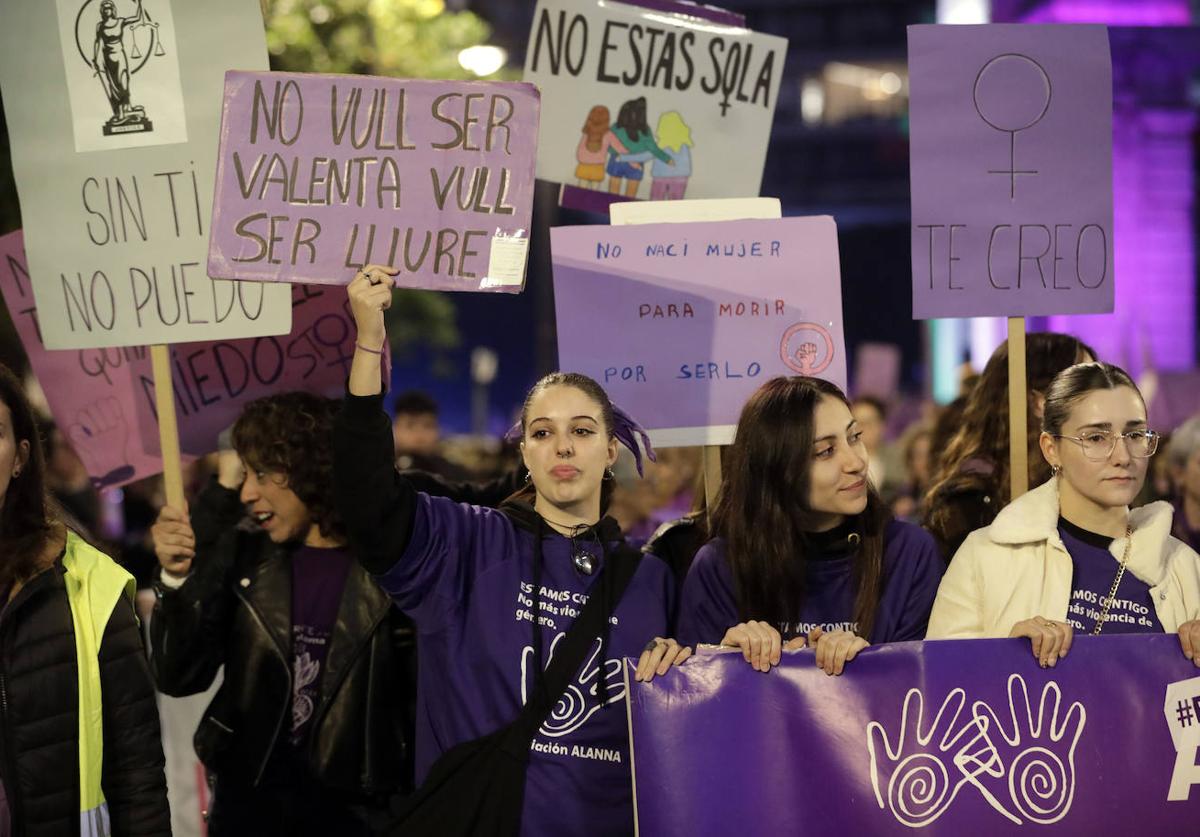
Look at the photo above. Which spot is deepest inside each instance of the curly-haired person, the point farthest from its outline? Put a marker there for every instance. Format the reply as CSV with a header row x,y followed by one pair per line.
x,y
309,732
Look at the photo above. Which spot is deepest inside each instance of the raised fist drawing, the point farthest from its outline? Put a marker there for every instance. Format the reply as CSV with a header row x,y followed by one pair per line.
x,y
100,435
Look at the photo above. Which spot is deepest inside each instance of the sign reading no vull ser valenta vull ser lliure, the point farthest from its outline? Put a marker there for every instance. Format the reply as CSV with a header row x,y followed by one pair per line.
x,y
319,175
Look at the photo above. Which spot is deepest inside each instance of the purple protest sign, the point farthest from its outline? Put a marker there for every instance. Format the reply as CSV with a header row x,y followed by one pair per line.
x,y
214,381
318,175
682,322
89,391
951,736
1011,165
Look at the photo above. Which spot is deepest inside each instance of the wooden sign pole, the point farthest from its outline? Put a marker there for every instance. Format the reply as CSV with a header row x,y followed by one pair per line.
x,y
712,478
1018,400
168,429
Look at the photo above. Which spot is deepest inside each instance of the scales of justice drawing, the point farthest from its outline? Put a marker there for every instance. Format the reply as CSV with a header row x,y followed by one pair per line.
x,y
116,48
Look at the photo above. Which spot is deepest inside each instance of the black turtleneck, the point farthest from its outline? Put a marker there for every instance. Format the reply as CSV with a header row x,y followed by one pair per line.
x,y
1079,533
837,542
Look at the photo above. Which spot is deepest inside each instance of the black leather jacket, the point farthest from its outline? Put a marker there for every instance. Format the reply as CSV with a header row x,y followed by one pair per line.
x,y
235,609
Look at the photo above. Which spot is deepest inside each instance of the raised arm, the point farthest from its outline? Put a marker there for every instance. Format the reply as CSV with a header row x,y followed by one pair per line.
x,y
377,504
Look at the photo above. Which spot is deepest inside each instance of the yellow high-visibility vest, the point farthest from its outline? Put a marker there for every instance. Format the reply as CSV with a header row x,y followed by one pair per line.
x,y
95,584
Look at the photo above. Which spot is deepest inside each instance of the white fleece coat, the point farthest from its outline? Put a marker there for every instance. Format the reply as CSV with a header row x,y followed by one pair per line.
x,y
1018,568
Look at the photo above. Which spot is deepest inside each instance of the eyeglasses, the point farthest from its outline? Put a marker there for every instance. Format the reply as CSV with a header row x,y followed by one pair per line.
x,y
1098,445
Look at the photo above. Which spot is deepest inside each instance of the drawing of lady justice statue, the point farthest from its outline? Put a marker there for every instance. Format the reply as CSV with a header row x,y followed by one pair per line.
x,y
110,61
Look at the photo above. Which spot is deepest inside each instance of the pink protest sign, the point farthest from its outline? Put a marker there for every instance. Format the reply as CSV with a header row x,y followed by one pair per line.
x,y
877,369
1011,164
214,381
682,322
90,391
318,175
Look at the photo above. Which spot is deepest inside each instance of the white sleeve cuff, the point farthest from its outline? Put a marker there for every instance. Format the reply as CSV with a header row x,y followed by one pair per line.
x,y
171,582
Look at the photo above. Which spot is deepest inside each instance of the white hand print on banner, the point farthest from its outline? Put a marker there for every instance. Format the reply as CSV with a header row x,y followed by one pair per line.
x,y
1182,709
1026,771
581,699
1037,754
921,783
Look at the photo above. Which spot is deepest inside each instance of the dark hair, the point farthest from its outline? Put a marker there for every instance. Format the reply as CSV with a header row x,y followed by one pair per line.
x,y
290,434
871,401
581,382
413,402
763,512
26,523
1075,382
632,118
983,429
592,390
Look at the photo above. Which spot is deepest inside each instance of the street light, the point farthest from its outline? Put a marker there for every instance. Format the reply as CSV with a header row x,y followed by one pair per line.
x,y
482,60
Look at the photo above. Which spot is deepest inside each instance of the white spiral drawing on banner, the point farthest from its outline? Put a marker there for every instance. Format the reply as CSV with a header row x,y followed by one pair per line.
x,y
1023,766
917,790
581,700
1039,785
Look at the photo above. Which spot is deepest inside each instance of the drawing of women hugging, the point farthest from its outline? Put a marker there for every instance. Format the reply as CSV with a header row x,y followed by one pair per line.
x,y
633,132
592,152
670,179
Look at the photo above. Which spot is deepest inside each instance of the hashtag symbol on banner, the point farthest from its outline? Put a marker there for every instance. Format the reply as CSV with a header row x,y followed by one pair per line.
x,y
1184,712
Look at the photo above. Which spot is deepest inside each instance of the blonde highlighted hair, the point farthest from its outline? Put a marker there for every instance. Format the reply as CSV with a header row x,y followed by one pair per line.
x,y
673,133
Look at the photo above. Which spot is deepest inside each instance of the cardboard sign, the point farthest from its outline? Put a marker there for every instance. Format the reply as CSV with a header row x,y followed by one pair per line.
x,y
322,174
113,111
652,102
682,322
213,381
682,212
1011,163
947,737
90,391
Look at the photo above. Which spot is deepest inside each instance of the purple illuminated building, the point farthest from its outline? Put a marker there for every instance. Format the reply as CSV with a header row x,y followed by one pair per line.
x,y
1156,65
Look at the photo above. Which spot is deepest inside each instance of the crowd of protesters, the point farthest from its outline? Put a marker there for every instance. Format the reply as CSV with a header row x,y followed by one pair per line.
x,y
381,608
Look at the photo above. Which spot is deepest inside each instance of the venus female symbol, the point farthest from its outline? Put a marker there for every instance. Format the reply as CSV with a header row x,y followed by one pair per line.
x,y
1012,94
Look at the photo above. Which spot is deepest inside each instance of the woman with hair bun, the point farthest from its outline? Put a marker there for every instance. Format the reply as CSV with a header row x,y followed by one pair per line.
x,y
510,738
1071,556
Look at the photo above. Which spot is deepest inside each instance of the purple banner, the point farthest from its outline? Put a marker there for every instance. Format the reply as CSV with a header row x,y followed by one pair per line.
x,y
318,175
682,322
953,737
1011,165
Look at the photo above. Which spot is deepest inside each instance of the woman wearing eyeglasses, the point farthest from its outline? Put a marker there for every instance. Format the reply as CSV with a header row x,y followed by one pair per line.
x,y
1071,556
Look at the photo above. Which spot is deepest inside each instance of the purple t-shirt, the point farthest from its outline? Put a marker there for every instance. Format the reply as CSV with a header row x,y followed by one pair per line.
x,y
1095,567
466,579
318,580
912,568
